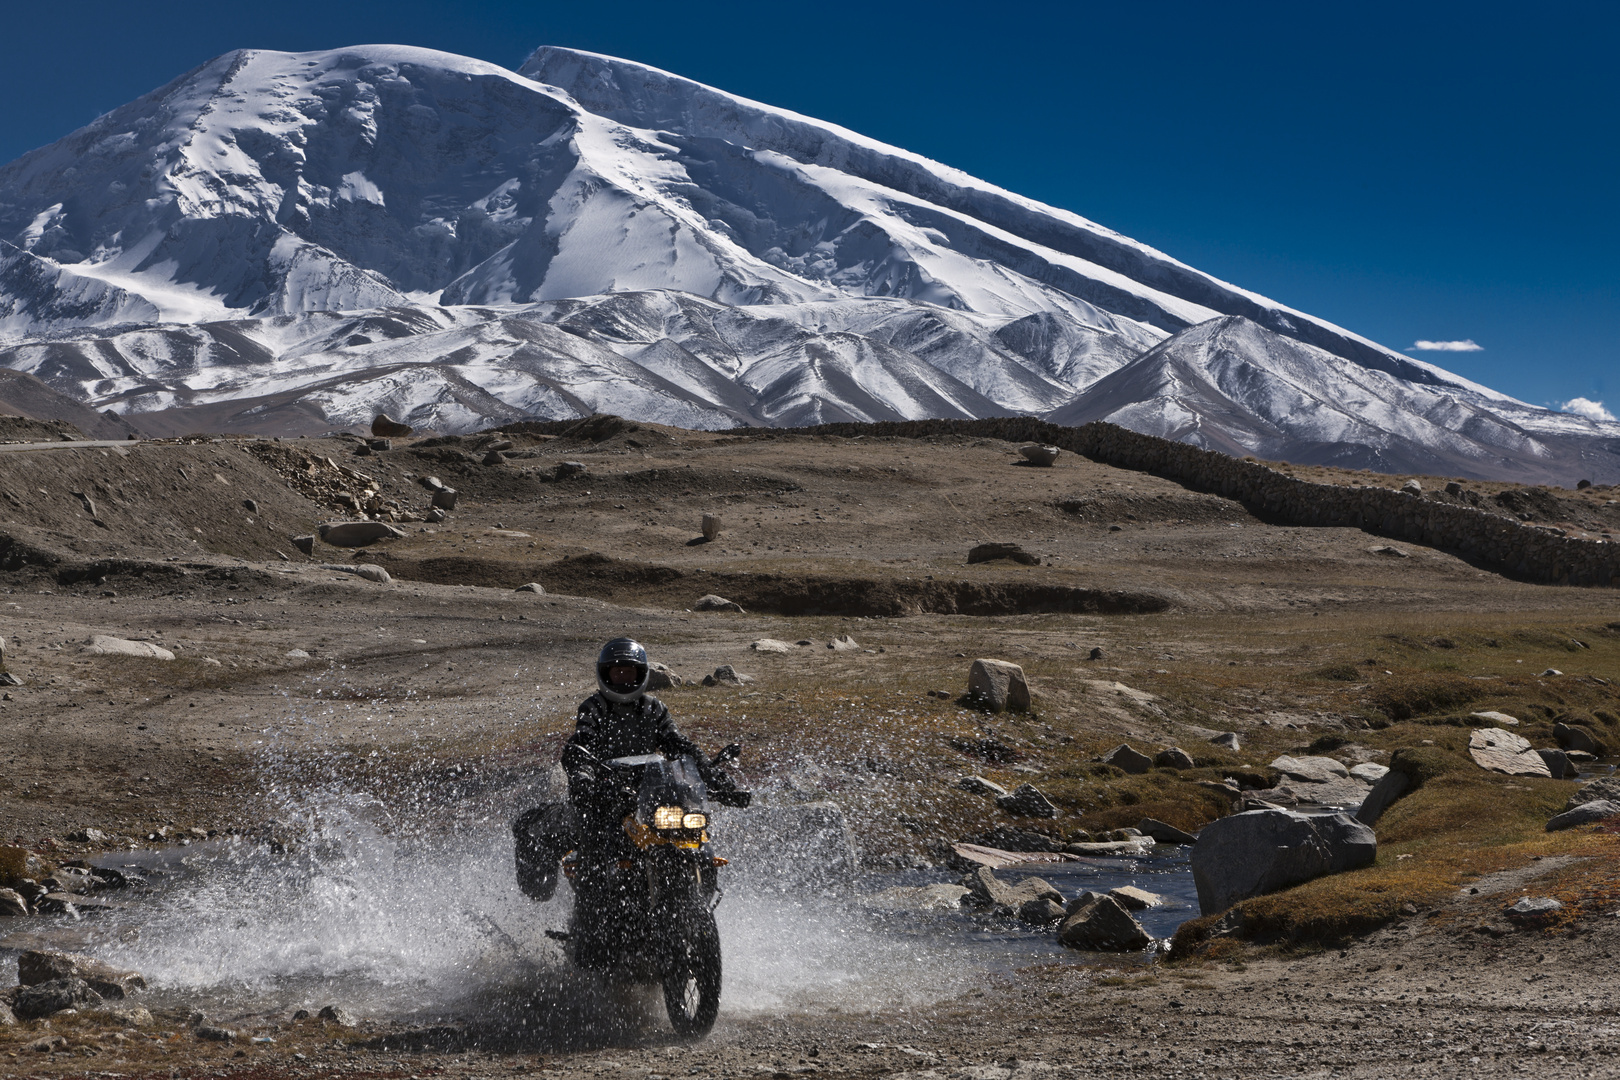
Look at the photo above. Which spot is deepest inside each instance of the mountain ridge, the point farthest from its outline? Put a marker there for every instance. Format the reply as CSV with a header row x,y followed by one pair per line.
x,y
320,235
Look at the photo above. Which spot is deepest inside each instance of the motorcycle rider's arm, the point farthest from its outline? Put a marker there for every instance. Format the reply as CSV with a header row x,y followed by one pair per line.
x,y
673,744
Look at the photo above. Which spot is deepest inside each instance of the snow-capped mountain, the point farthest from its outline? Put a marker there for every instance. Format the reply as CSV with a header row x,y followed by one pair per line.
x,y
290,242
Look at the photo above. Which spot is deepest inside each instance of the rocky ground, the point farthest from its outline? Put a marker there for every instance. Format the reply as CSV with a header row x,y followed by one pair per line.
x,y
1204,618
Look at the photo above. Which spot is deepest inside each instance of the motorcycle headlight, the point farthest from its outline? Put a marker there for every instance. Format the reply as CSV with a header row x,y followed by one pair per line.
x,y
668,817
695,821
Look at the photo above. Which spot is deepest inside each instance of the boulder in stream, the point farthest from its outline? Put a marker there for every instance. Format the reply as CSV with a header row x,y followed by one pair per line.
x,y
1101,922
1261,851
48,998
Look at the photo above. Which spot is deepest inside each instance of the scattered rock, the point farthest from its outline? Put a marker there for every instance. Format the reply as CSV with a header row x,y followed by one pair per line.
x,y
1391,552
46,998
711,525
917,898
251,505
1142,845
1027,801
12,904
726,675
1095,654
844,643
1261,851
1228,739
985,890
1584,814
978,785
368,571
296,654
1391,786
992,552
103,645
1173,757
1551,672
7,1017
1007,838
1533,910
38,966
1123,757
998,686
1369,771
305,544
1413,486
1453,488
213,1034
1501,719
1101,922
46,1045
662,678
336,1014
445,499
1133,899
771,645
125,1016
1570,737
532,587
387,427
494,457
378,446
1164,833
1311,770
8,679
357,533
1504,752
1040,912
1604,787
1036,454
567,470
1559,767
711,602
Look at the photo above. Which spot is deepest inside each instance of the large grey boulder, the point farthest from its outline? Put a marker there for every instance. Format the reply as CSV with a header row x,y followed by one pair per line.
x,y
1504,752
1037,454
1311,770
47,998
1570,737
987,891
998,686
106,645
1131,760
1262,851
1391,786
1027,800
1173,757
711,602
1584,814
357,533
1101,922
43,965
1604,787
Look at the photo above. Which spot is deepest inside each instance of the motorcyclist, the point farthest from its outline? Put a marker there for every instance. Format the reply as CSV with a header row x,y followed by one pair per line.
x,y
619,720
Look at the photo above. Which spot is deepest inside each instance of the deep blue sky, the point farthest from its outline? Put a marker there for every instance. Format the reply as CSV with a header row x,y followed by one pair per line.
x,y
1409,171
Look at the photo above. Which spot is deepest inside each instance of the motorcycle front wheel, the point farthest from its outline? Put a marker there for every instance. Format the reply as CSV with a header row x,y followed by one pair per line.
x,y
692,986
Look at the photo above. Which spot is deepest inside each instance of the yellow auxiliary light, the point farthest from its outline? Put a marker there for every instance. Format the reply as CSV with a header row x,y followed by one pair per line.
x,y
668,817
695,821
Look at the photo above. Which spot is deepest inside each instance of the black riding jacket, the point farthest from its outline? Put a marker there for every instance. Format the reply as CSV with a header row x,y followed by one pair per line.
x,y
609,729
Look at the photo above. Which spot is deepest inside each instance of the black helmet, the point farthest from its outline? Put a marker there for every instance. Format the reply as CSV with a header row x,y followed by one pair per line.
x,y
615,653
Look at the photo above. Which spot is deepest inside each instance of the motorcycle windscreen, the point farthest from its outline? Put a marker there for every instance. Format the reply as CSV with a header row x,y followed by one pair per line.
x,y
667,782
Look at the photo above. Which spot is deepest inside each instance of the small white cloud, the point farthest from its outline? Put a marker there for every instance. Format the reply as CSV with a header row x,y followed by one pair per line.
x,y
1592,410
1448,346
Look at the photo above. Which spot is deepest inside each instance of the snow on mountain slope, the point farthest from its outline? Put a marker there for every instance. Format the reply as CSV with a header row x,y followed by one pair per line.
x,y
1231,385
288,242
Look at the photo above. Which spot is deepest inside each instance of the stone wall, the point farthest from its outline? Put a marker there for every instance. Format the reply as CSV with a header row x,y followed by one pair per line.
x,y
1489,540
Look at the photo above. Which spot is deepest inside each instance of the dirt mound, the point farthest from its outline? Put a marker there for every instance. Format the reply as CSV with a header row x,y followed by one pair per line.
x,y
146,500
32,399
626,582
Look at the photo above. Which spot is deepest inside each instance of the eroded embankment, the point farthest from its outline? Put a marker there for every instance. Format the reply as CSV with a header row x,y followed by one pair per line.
x,y
625,582
1491,540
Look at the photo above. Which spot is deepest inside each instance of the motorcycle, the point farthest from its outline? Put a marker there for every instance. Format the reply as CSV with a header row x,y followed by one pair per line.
x,y
644,906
